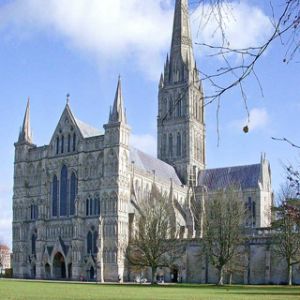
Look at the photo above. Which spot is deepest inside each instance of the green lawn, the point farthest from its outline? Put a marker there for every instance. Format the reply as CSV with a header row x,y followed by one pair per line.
x,y
29,290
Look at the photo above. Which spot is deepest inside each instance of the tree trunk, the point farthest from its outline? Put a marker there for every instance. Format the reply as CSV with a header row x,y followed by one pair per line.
x,y
290,274
230,278
221,276
153,269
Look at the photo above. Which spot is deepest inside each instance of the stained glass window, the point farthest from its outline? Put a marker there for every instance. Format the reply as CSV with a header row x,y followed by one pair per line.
x,y
63,191
33,242
54,196
73,193
74,142
69,142
57,145
95,237
90,242
178,145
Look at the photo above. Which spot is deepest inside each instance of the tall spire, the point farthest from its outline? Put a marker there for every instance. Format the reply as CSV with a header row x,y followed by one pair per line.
x,y
181,46
180,121
118,113
25,135
181,26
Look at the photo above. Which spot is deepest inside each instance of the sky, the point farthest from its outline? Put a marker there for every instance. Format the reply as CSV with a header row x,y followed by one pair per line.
x,y
51,48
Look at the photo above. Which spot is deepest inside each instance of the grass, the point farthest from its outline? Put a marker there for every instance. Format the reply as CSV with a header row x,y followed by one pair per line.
x,y
35,290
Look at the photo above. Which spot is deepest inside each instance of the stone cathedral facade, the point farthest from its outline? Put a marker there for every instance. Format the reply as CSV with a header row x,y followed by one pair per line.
x,y
75,199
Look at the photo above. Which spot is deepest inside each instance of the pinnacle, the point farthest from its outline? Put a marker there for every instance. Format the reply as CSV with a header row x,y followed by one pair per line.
x,y
25,133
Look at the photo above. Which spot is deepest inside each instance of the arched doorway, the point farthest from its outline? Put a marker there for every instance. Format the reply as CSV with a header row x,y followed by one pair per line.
x,y
92,273
47,271
174,274
33,271
59,266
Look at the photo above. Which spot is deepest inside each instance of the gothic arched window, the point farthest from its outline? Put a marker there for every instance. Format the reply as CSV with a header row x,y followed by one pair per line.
x,y
54,196
62,144
95,237
69,142
33,212
57,145
253,213
63,191
170,145
73,193
179,104
74,142
33,244
91,206
97,206
87,207
178,146
90,243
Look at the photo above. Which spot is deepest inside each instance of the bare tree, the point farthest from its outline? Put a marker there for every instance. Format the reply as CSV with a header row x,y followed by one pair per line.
x,y
286,227
225,214
286,141
231,73
154,243
285,26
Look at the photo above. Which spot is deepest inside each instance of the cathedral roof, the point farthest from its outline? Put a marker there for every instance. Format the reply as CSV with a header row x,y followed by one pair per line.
x,y
215,179
149,163
87,130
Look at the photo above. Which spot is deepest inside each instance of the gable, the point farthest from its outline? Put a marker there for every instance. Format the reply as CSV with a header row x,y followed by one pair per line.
x,y
69,132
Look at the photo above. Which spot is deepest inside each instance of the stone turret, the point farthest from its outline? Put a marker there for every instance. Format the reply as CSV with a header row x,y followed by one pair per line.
x,y
24,143
116,182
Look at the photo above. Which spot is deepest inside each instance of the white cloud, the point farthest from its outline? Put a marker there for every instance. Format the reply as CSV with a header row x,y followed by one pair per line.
x,y
259,119
144,142
134,30
244,25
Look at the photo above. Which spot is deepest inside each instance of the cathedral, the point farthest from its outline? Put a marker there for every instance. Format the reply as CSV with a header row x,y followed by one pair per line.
x,y
75,199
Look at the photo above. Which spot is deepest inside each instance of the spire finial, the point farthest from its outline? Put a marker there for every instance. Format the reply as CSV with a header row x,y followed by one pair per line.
x,y
68,99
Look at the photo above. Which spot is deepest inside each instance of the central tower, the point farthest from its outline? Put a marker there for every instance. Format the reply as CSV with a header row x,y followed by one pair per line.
x,y
180,124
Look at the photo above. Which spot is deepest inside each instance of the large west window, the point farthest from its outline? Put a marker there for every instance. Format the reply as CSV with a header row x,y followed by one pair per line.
x,y
64,191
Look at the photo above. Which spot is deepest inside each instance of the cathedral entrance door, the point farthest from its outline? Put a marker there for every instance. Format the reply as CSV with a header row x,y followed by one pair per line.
x,y
59,266
174,274
47,271
33,271
92,273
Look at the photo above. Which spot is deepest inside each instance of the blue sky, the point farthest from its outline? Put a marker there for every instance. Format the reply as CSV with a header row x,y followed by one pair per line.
x,y
49,49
